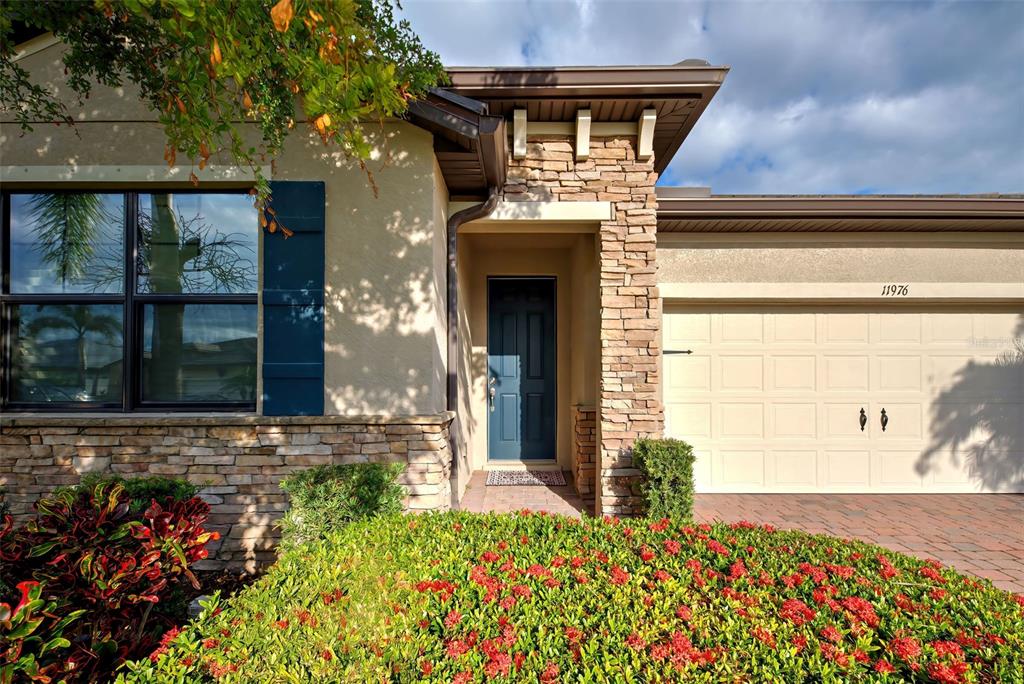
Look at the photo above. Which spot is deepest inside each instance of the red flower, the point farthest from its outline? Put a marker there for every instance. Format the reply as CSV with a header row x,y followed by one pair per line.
x,y
618,575
659,526
684,613
210,643
861,609
884,666
948,673
672,547
717,547
646,554
932,574
426,667
887,571
537,570
662,576
550,674
573,634
326,655
832,634
737,570
281,624
518,660
764,636
489,557
796,611
944,648
800,642
906,648
937,594
453,618
635,641
463,678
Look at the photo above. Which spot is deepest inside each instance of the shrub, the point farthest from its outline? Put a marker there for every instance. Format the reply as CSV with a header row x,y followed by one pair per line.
x,y
88,552
667,466
324,498
141,491
460,597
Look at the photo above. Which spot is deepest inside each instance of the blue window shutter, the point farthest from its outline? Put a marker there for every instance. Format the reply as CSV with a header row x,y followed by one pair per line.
x,y
293,302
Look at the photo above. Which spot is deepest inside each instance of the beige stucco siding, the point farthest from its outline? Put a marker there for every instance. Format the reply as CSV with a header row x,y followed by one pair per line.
x,y
777,258
385,255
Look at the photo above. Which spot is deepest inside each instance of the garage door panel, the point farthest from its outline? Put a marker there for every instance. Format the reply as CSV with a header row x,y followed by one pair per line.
x,y
771,398
902,373
741,420
846,328
793,420
788,373
846,373
796,328
847,469
795,470
741,468
702,470
741,373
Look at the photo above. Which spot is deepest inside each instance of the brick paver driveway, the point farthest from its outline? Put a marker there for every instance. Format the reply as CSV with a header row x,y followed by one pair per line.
x,y
982,534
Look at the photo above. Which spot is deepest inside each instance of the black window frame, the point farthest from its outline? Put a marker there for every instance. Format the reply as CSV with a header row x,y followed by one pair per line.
x,y
131,301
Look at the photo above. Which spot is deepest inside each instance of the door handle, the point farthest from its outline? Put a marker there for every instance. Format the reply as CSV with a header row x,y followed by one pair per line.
x,y
491,391
863,419
885,420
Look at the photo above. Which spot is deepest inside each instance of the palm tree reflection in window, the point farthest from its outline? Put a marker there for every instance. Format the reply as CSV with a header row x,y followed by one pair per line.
x,y
69,353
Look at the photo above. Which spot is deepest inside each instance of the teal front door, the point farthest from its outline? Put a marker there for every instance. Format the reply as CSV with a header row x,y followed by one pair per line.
x,y
521,368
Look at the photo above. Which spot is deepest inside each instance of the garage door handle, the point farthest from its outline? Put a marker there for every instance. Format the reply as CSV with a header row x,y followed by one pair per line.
x,y
863,419
678,351
885,420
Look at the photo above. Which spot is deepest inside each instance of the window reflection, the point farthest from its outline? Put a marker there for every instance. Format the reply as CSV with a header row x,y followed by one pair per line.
x,y
199,352
67,242
67,353
197,243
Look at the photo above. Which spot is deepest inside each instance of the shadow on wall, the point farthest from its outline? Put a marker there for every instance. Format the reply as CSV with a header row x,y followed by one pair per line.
x,y
978,422
383,351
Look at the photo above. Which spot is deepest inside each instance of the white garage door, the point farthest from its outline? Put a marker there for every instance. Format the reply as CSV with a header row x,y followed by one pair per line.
x,y
771,398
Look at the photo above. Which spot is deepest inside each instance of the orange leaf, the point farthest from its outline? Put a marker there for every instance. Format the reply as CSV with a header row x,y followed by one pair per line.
x,y
246,100
322,123
272,227
193,178
215,56
282,14
287,233
181,105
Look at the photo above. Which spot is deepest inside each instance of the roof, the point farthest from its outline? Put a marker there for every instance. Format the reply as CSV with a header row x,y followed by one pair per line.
x,y
695,211
679,93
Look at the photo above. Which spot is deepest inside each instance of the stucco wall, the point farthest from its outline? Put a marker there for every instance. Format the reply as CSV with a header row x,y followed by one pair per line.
x,y
384,318
772,258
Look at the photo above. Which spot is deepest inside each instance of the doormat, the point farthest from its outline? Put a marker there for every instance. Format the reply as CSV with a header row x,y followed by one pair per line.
x,y
525,478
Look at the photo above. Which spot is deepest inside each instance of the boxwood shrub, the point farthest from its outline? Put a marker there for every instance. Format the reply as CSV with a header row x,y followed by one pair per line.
x,y
667,465
326,497
462,597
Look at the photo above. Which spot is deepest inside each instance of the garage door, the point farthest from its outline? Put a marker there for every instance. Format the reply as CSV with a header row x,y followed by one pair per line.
x,y
786,399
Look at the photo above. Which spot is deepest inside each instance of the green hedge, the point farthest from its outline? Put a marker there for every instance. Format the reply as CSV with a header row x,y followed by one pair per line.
x,y
461,597
667,466
324,498
140,491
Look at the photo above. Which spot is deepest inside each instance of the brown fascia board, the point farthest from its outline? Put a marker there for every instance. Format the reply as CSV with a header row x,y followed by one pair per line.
x,y
1009,207
624,82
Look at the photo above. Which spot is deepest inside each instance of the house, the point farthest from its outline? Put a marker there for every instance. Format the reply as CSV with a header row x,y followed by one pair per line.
x,y
520,294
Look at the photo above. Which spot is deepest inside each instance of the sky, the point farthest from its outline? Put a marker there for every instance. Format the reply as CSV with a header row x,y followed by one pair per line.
x,y
822,97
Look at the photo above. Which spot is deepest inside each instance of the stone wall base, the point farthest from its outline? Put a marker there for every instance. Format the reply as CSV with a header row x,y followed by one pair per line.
x,y
585,451
238,460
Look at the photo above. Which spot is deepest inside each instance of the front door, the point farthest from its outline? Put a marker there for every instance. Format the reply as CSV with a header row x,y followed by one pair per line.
x,y
521,368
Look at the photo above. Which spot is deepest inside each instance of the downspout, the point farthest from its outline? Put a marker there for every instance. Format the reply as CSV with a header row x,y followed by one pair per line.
x,y
477,211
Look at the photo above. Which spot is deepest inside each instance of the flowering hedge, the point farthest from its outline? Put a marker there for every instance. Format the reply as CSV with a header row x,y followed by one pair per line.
x,y
465,598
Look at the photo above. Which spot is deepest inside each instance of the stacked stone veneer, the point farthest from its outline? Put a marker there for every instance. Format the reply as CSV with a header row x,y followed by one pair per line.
x,y
629,404
584,450
239,461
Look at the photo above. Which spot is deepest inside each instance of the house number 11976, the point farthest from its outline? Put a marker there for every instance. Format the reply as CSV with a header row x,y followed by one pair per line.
x,y
895,290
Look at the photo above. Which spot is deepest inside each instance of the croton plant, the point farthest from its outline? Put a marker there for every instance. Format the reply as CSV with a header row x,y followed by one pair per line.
x,y
92,581
466,598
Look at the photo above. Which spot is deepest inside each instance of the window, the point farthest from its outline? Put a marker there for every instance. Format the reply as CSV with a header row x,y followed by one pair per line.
x,y
128,301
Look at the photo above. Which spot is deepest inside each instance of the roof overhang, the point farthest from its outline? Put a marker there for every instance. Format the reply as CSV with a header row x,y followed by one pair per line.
x,y
678,93
470,144
909,213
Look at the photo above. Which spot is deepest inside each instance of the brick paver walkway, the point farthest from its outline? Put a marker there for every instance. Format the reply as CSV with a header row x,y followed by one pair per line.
x,y
982,534
480,498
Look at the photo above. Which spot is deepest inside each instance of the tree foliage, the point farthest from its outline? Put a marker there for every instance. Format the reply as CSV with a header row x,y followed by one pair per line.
x,y
209,68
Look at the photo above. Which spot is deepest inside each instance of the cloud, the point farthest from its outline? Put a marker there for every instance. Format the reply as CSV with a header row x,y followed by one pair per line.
x,y
822,97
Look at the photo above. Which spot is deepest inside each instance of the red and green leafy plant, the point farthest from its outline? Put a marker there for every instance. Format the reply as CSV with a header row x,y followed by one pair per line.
x,y
85,553
466,598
